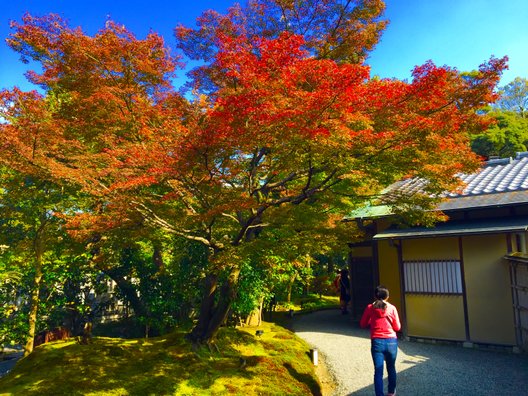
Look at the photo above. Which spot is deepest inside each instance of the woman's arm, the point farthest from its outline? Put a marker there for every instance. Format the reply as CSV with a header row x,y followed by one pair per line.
x,y
396,325
365,319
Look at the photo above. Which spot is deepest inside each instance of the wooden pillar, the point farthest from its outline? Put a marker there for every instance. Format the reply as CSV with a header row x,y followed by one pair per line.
x,y
464,291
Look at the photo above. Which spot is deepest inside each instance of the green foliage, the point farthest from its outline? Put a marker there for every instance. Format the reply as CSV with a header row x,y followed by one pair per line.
x,y
35,243
254,286
68,293
13,320
506,137
271,275
314,302
509,134
188,265
62,299
165,278
325,269
322,284
281,262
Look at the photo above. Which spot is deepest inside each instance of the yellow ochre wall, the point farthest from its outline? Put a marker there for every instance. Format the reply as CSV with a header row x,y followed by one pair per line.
x,y
438,316
488,289
389,273
487,281
430,249
488,292
362,251
434,316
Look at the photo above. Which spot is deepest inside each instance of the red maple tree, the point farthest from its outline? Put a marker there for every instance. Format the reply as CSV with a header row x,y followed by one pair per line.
x,y
281,129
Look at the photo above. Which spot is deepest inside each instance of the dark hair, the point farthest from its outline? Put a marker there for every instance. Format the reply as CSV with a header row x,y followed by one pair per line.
x,y
381,293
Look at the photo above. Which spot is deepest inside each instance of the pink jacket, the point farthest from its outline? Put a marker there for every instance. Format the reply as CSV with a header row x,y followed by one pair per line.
x,y
383,323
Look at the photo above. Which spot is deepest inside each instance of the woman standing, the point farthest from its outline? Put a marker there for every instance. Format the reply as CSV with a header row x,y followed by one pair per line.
x,y
384,322
342,285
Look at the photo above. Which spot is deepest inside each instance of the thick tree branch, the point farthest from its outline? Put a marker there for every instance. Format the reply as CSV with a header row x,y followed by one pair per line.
x,y
152,218
305,194
271,186
258,155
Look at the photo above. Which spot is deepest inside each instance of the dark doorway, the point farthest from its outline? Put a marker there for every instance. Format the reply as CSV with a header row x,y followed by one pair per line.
x,y
363,279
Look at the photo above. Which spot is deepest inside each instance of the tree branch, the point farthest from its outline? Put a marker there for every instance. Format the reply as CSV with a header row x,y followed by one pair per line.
x,y
152,218
230,216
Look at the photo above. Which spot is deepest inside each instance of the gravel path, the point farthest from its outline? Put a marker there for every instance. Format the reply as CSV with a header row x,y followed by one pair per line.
x,y
423,369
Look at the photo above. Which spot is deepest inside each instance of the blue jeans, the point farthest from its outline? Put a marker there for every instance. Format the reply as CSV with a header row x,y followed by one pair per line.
x,y
384,350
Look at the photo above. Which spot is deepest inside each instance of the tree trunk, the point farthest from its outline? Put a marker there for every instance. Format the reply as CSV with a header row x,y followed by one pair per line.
x,y
35,297
157,257
212,317
206,309
290,286
331,266
255,317
129,291
308,265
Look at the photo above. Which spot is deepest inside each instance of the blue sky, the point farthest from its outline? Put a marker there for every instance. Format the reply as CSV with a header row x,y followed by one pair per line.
x,y
458,33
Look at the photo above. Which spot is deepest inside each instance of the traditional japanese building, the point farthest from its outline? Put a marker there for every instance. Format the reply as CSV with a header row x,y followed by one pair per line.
x,y
463,280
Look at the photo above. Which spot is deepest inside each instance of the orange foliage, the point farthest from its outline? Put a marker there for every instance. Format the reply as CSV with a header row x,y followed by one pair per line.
x,y
280,127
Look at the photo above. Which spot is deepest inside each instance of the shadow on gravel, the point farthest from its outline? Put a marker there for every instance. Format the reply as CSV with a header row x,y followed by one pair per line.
x,y
445,370
451,370
422,368
329,321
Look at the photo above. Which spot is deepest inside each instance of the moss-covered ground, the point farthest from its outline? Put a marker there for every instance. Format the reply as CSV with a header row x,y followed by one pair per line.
x,y
276,362
242,363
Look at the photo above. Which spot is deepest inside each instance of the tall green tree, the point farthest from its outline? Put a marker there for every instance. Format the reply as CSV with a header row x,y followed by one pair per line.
x,y
30,229
514,97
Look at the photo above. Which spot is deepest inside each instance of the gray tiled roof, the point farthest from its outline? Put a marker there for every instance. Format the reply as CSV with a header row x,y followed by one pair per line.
x,y
483,200
502,176
461,227
498,182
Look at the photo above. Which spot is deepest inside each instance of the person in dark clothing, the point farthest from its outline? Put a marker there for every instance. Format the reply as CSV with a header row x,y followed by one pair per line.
x,y
342,285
